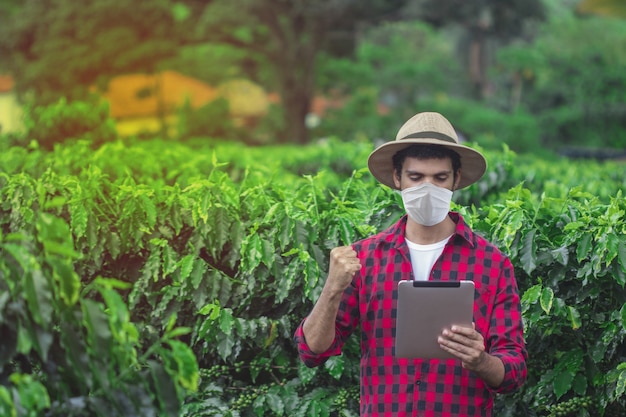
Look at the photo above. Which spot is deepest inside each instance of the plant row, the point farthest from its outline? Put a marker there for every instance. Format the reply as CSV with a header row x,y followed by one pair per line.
x,y
163,279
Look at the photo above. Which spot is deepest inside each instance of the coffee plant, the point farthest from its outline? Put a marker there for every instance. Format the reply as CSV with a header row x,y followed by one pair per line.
x,y
158,278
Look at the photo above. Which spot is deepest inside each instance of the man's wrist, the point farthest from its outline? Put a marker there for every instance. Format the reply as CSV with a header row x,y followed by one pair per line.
x,y
491,370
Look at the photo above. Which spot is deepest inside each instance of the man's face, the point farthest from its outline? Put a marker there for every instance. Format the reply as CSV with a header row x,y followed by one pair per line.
x,y
435,171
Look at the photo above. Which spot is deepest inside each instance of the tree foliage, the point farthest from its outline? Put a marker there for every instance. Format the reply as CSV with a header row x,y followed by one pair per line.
x,y
87,43
590,108
395,68
485,23
61,48
287,36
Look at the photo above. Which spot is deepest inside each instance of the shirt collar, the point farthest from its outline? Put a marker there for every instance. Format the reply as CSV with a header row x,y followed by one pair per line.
x,y
396,233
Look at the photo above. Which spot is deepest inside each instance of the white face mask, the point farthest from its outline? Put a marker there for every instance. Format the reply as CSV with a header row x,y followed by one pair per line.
x,y
426,203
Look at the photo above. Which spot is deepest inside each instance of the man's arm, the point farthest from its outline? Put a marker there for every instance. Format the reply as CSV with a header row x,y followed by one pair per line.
x,y
319,326
503,368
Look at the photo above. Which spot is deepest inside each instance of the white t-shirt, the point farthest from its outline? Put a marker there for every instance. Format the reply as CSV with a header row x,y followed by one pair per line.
x,y
423,257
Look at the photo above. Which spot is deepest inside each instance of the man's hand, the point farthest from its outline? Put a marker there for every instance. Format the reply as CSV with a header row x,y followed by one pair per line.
x,y
468,345
344,263
319,327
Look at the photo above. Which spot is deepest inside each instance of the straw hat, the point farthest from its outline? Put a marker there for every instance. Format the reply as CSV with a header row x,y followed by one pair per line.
x,y
426,128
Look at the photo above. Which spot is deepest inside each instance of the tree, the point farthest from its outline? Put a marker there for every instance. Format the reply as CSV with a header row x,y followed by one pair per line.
x,y
62,48
573,81
481,20
286,37
396,68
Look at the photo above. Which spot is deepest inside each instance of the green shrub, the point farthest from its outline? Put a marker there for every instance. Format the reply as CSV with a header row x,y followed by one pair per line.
x,y
488,127
69,121
211,120
572,80
193,269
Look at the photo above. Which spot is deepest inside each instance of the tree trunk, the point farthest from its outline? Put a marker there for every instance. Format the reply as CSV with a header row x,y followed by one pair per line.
x,y
477,63
296,105
295,69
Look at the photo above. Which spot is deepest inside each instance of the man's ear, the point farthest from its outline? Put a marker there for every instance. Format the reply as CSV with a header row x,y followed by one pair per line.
x,y
457,180
396,179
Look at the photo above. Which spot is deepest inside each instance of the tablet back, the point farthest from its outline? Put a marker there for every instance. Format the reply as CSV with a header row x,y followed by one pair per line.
x,y
425,309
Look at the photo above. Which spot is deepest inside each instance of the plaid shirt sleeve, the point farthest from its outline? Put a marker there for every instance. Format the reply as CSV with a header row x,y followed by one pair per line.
x,y
505,334
347,321
398,387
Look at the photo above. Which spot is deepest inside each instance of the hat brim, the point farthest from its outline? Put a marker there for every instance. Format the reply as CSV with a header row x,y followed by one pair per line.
x,y
380,161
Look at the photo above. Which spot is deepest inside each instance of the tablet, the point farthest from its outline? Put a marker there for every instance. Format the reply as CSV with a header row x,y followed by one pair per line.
x,y
424,310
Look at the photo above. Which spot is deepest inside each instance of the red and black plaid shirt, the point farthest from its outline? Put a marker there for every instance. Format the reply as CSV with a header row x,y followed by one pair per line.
x,y
401,387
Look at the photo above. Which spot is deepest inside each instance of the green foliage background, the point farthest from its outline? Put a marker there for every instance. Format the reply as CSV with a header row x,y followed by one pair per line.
x,y
152,277
147,276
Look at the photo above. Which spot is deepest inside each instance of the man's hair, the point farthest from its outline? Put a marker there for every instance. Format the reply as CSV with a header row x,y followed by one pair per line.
x,y
426,152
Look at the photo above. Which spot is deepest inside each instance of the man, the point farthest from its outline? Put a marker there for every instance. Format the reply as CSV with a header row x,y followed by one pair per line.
x,y
426,163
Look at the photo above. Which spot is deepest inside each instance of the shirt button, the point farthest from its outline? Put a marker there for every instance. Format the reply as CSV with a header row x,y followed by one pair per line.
x,y
418,382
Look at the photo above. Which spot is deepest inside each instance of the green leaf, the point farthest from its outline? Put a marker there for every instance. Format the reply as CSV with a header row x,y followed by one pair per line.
x,y
574,317
225,346
532,294
275,403
259,406
177,332
226,321
335,366
149,210
620,388
284,231
547,297
252,252
112,283
221,224
563,383
318,409
187,372
39,297
583,247
267,252
561,255
78,216
32,394
289,397
211,310
346,231
55,236
621,255
97,324
114,244
579,384
186,265
305,373
613,247
169,260
43,340
68,279
7,408
165,389
529,252
73,340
